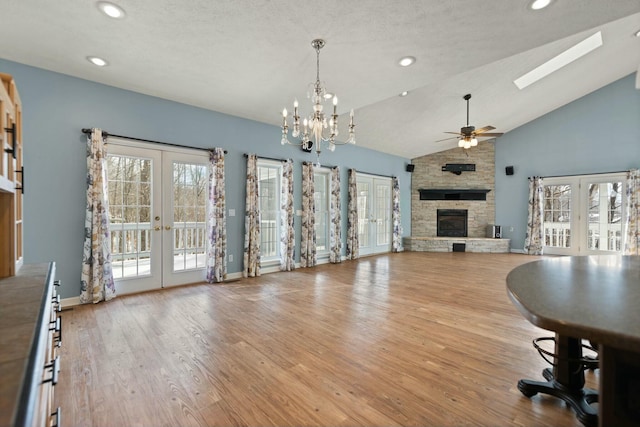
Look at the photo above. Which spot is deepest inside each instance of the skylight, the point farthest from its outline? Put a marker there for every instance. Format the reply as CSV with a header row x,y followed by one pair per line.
x,y
559,61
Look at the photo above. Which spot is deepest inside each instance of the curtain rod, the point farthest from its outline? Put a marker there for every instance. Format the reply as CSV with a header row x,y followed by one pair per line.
x,y
267,158
376,174
567,176
107,134
322,166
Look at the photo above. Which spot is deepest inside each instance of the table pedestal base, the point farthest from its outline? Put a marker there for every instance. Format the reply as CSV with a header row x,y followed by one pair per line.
x,y
580,400
566,381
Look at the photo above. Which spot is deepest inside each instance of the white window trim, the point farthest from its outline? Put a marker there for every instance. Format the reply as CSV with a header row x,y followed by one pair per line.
x,y
327,173
272,260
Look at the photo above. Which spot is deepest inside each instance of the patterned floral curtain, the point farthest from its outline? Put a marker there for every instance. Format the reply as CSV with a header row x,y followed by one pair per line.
x,y
632,218
251,261
97,277
335,219
216,221
396,242
308,241
287,233
534,239
353,244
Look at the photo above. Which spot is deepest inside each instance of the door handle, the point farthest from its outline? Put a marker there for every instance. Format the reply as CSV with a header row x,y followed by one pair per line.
x,y
157,228
167,227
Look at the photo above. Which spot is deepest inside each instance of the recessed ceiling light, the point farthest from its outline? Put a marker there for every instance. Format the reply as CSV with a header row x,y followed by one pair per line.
x,y
405,93
406,61
637,33
539,4
111,10
559,61
97,61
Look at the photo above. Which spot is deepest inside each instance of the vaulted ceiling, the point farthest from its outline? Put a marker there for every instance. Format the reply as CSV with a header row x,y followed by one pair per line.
x,y
251,58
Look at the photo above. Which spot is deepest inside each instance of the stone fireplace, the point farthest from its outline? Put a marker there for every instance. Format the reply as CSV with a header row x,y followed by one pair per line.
x,y
470,191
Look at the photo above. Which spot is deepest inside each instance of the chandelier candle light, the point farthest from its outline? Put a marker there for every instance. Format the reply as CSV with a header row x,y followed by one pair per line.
x,y
316,124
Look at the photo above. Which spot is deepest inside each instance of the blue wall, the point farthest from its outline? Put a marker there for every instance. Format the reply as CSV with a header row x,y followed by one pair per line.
x,y
55,109
597,133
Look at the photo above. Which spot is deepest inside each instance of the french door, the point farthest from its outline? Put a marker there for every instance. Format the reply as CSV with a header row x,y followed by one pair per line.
x,y
157,213
374,214
584,214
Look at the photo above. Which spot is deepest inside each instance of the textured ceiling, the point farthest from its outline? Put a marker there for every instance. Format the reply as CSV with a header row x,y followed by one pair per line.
x,y
251,58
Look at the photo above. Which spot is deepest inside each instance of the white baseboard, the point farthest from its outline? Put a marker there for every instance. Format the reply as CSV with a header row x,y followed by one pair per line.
x,y
234,276
70,302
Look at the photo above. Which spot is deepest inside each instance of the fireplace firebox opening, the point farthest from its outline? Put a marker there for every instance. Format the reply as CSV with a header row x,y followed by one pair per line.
x,y
452,223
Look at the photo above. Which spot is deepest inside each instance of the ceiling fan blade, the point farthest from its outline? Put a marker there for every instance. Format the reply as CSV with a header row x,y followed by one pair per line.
x,y
493,135
484,129
455,133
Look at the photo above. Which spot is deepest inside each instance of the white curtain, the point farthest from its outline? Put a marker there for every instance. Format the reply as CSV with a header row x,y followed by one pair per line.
x,y
96,282
216,224
632,217
534,239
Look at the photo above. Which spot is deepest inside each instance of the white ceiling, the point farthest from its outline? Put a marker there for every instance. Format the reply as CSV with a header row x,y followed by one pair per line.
x,y
251,58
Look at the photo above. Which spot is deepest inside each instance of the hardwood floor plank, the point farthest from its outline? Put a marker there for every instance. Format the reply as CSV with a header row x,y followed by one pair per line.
x,y
413,339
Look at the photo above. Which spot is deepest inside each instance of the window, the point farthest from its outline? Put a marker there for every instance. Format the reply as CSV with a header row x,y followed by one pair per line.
x,y
322,193
269,174
584,214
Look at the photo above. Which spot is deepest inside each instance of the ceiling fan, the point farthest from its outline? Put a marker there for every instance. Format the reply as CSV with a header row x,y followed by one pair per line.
x,y
468,134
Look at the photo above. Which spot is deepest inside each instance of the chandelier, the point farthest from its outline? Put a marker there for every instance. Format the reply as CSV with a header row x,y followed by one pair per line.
x,y
316,125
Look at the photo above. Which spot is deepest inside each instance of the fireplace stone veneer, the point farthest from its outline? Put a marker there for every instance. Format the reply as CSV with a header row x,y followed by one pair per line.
x,y
445,244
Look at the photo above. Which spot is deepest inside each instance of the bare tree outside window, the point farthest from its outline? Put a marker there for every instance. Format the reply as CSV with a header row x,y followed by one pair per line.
x,y
129,186
557,216
605,216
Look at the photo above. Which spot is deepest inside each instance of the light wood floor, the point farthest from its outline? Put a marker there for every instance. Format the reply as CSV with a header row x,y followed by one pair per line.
x,y
421,339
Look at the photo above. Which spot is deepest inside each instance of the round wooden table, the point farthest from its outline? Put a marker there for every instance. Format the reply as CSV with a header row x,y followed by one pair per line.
x,y
586,297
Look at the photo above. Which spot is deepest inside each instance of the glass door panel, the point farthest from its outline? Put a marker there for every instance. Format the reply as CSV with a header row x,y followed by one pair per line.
x,y
557,217
133,201
364,215
383,215
190,204
185,199
604,225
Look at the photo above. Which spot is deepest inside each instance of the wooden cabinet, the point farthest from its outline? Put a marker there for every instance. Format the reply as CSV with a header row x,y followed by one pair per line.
x,y
11,177
30,335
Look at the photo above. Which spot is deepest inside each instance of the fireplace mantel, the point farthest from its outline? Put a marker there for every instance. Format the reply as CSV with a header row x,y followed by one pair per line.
x,y
453,194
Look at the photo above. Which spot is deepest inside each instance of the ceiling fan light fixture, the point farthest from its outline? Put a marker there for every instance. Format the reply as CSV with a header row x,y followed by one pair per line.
x,y
474,142
461,143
